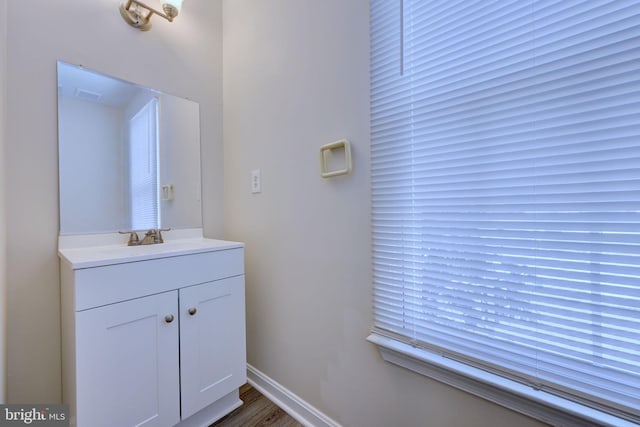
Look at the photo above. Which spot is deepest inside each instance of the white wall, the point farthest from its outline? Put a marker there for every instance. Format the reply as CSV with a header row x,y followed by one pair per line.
x,y
181,58
179,142
296,77
3,275
92,167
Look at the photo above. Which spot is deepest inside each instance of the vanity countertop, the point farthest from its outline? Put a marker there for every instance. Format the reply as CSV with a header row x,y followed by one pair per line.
x,y
97,256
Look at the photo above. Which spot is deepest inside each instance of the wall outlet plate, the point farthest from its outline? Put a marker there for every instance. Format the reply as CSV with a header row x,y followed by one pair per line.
x,y
256,181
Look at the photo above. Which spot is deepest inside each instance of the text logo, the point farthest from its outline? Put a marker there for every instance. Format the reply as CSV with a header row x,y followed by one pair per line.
x,y
34,415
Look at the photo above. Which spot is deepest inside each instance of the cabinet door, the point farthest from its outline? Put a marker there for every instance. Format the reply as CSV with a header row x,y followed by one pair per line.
x,y
127,363
212,342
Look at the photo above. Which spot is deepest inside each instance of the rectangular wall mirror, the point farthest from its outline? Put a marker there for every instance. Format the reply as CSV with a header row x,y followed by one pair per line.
x,y
129,156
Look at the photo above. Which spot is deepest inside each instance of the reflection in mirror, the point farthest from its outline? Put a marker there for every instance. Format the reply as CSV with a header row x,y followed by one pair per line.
x,y
129,156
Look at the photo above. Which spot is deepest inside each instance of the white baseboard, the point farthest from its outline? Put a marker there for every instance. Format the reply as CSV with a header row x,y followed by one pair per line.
x,y
292,404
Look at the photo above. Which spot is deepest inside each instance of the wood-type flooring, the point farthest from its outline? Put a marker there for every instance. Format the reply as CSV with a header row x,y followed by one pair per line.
x,y
257,410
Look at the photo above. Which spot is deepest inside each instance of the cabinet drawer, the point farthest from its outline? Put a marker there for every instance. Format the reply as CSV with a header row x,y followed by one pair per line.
x,y
112,283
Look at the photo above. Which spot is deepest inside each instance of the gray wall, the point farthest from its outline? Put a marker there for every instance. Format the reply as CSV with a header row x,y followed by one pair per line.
x,y
296,77
181,58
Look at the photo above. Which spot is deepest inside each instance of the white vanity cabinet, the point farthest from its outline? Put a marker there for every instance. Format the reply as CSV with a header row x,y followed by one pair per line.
x,y
153,339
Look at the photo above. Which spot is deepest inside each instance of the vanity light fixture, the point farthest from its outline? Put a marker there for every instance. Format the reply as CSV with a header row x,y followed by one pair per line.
x,y
138,14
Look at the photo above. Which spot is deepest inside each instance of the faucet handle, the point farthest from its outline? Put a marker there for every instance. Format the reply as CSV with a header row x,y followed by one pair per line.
x,y
134,240
159,238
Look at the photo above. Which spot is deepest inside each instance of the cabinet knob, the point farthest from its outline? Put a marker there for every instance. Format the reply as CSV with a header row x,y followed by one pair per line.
x,y
192,311
168,318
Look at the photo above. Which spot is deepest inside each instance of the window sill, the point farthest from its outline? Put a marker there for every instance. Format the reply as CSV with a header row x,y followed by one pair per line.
x,y
537,404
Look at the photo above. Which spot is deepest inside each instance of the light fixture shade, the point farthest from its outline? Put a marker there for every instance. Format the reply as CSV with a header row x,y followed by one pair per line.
x,y
172,7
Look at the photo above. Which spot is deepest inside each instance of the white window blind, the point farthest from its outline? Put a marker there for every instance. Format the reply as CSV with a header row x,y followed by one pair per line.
x,y
506,189
143,163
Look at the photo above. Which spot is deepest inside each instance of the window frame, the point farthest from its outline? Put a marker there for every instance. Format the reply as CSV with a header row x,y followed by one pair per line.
x,y
537,404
